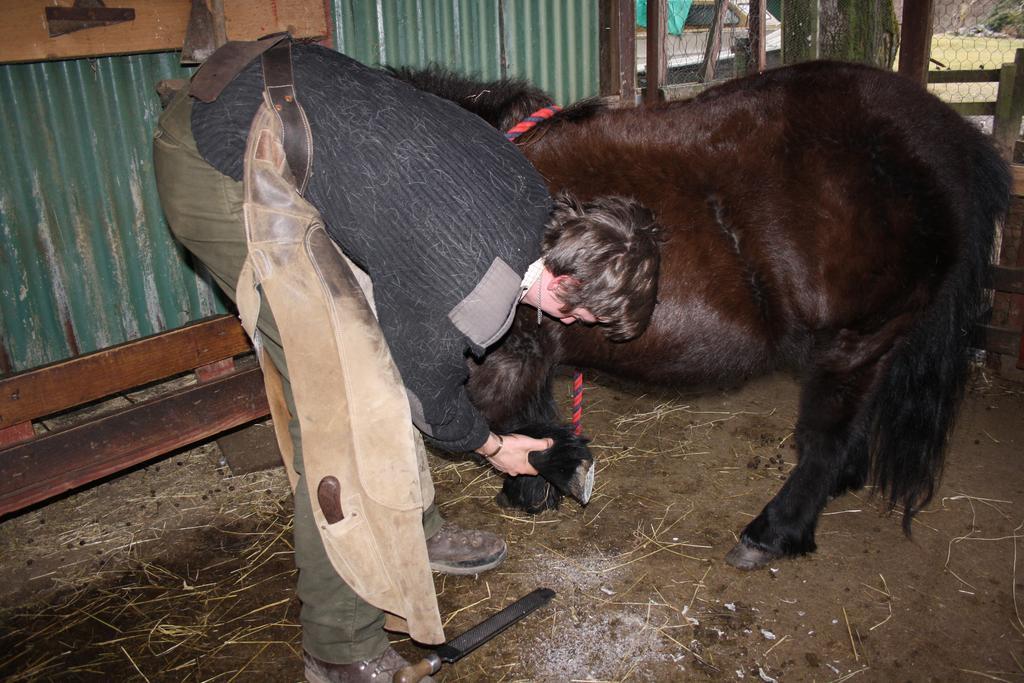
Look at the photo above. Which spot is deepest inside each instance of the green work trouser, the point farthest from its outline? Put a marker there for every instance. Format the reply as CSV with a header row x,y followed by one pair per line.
x,y
204,210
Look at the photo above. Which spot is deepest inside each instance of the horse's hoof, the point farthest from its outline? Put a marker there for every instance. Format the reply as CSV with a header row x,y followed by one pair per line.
x,y
743,556
531,494
581,486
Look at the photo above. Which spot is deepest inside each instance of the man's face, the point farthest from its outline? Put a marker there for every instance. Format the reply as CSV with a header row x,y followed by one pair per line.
x,y
553,305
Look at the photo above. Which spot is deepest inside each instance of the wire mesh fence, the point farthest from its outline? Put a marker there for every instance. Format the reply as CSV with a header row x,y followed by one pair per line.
x,y
794,31
689,28
974,34
967,34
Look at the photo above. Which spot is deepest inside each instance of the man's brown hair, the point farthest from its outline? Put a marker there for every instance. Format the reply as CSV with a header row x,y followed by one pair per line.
x,y
610,249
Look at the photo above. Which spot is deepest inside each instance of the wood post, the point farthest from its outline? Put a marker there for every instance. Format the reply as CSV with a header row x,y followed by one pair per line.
x,y
756,36
657,69
916,40
714,42
617,46
1009,105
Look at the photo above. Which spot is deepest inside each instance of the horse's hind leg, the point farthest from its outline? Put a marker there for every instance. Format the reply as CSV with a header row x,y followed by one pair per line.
x,y
832,452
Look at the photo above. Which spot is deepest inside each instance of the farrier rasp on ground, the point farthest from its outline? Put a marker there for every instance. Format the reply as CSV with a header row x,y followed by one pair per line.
x,y
462,645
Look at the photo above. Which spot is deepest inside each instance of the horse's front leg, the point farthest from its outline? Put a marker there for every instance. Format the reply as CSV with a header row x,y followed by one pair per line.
x,y
512,388
832,457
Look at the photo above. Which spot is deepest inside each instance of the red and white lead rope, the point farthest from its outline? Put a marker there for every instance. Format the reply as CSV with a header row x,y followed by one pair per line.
x,y
514,132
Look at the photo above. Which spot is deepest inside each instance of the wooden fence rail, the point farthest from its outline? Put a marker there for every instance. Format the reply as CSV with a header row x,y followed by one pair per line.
x,y
37,466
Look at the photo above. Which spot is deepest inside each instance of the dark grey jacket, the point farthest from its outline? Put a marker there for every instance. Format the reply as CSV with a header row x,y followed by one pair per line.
x,y
436,206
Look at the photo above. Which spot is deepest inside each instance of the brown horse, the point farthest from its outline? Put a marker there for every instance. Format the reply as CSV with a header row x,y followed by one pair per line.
x,y
827,218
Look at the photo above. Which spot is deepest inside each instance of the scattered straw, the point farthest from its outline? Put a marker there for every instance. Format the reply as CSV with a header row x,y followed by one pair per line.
x,y
888,602
591,520
144,676
853,645
694,654
849,675
781,641
466,607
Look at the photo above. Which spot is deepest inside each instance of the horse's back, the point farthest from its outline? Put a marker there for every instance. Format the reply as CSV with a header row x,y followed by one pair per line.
x,y
806,202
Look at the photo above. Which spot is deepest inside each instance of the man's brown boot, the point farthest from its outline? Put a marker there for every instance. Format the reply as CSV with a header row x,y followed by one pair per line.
x,y
453,550
378,670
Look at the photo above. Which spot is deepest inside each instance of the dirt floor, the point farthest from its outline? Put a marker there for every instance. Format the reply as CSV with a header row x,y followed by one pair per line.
x,y
182,572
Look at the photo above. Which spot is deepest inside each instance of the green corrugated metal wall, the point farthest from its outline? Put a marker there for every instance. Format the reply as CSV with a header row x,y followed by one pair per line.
x,y
86,260
552,43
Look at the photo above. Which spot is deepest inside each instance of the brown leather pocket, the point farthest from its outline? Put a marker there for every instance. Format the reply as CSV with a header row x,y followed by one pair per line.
x,y
353,551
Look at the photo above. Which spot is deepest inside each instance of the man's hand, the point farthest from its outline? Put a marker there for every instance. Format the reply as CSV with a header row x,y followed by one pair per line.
x,y
513,456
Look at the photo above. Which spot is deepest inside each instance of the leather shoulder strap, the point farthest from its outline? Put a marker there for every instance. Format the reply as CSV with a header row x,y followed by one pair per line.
x,y
224,64
297,136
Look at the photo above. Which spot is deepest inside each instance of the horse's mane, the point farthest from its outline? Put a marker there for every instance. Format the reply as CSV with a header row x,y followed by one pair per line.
x,y
502,103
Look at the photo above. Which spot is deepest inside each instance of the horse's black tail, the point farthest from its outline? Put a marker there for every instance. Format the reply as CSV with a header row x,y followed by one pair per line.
x,y
915,404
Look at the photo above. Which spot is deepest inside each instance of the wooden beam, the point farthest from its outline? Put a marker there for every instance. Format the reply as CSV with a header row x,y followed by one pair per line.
x,y
65,384
159,26
916,39
756,35
608,48
714,43
1016,108
23,431
617,47
973,108
657,62
1006,279
40,469
964,76
1017,170
1000,340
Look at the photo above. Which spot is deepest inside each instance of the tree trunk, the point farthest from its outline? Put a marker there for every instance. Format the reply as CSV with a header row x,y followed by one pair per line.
x,y
799,30
863,31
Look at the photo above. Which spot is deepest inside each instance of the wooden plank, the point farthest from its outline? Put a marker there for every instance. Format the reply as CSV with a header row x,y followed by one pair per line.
x,y
617,45
159,26
714,43
683,91
37,470
756,32
250,449
1016,107
973,108
211,371
608,48
1004,129
1020,354
1006,279
916,39
997,339
1018,179
65,384
657,61
628,51
964,76
22,431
